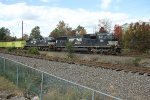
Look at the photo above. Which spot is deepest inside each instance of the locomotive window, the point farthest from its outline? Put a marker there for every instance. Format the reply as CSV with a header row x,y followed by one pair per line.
x,y
86,36
52,41
62,38
93,37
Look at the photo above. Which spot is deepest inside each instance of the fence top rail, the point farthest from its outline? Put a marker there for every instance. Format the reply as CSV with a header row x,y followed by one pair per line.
x,y
64,79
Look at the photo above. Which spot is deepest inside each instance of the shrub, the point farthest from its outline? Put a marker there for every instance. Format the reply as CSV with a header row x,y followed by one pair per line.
x,y
136,61
11,49
70,50
33,51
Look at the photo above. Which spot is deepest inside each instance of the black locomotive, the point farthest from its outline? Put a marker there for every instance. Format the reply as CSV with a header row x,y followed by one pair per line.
x,y
98,43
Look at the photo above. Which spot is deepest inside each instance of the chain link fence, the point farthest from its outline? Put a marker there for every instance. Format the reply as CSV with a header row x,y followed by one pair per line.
x,y
47,86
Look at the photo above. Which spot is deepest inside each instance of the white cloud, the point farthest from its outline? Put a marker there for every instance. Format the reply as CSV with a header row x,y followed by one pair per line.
x,y
48,17
105,3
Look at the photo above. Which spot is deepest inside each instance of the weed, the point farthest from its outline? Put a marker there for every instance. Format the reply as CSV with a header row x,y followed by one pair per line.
x,y
33,51
6,85
136,61
94,59
11,49
70,50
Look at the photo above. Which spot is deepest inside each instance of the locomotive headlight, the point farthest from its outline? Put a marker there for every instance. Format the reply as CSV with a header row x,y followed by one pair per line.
x,y
113,43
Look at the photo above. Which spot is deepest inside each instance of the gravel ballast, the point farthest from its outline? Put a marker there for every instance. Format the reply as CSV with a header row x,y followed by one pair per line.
x,y
127,86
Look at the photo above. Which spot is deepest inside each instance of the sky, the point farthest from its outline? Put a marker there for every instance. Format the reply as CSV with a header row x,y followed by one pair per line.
x,y
47,13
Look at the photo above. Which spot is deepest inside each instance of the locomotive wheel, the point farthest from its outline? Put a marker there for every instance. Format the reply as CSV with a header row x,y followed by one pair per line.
x,y
89,50
94,51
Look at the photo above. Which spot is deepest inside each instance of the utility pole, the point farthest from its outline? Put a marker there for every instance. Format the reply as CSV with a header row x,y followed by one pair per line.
x,y
22,30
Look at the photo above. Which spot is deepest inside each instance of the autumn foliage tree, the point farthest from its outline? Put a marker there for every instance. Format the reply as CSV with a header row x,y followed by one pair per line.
x,y
118,32
137,37
81,30
62,29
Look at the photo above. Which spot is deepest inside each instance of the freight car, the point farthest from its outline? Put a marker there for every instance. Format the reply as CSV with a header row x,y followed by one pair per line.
x,y
16,44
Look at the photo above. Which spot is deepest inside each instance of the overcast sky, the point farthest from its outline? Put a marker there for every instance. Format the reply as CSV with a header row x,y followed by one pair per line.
x,y
47,13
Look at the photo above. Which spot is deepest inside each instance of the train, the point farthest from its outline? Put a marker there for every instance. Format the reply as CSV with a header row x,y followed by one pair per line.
x,y
93,43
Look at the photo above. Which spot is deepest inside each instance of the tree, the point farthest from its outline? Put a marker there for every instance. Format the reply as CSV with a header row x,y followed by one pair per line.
x,y
102,30
81,30
70,32
104,25
5,34
118,32
25,37
35,33
137,37
55,33
78,29
62,29
61,26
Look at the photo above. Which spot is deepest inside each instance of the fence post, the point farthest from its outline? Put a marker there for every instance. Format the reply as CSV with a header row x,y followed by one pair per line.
x,y
41,87
17,75
93,95
4,65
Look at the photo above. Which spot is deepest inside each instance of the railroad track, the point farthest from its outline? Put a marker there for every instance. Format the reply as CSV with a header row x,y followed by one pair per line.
x,y
117,67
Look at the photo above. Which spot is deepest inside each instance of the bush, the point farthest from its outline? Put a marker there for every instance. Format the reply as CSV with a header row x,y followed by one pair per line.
x,y
11,49
33,51
136,61
70,50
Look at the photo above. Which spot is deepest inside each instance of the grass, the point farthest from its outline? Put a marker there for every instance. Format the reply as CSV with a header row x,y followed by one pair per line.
x,y
69,94
6,85
136,61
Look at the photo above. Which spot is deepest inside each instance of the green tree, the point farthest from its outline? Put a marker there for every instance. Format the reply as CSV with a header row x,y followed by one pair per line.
x,y
25,37
35,33
5,34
